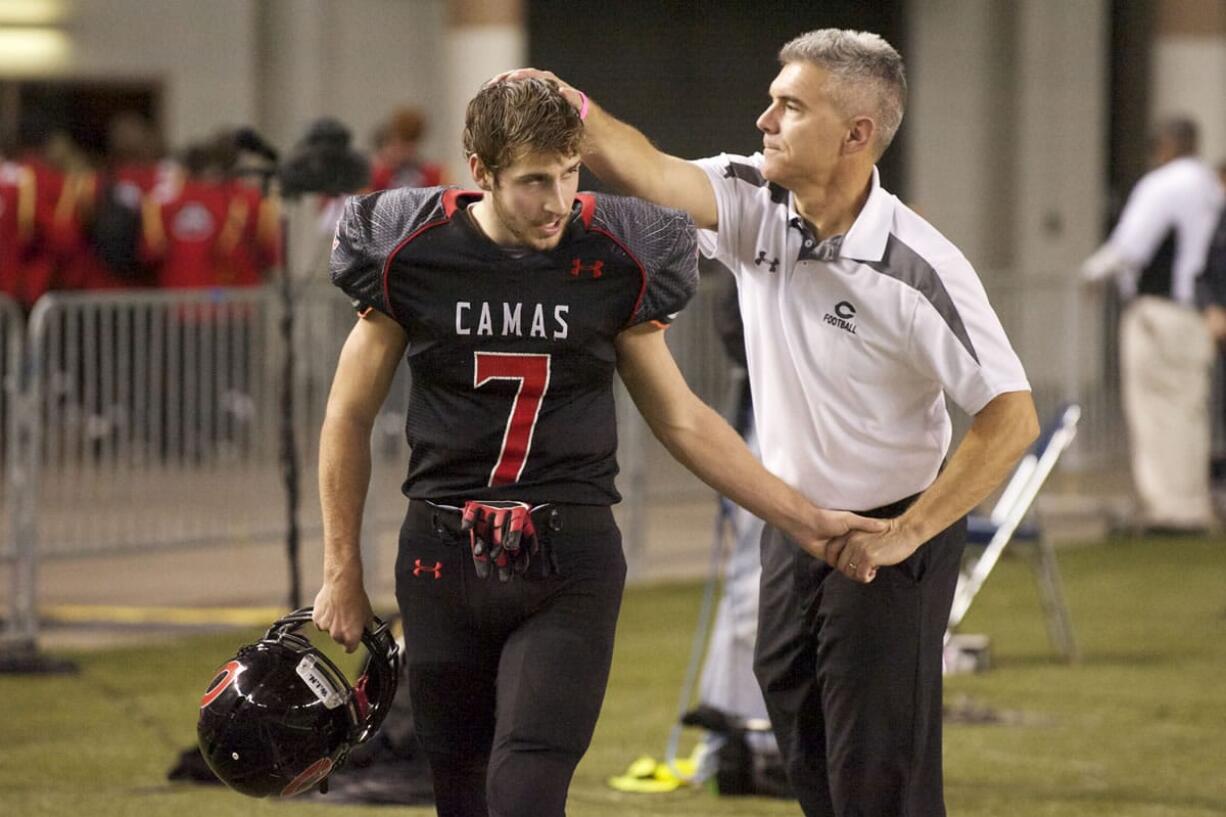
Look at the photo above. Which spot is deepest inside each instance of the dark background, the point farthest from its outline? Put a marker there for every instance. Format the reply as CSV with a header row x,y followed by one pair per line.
x,y
693,76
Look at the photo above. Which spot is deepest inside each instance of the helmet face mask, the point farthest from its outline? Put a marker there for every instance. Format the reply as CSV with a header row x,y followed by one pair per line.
x,y
280,716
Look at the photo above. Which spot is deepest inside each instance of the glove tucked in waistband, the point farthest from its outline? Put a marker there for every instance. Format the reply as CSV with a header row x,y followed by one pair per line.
x,y
502,535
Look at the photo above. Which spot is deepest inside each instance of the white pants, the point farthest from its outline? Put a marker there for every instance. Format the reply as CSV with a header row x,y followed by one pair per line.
x,y
1166,359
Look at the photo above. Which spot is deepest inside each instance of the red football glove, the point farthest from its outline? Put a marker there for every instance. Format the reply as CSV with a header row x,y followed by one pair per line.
x,y
501,534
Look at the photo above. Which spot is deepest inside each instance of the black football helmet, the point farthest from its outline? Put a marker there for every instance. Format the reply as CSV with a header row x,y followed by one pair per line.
x,y
280,716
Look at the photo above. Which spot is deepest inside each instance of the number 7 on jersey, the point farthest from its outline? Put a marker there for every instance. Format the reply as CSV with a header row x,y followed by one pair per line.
x,y
532,372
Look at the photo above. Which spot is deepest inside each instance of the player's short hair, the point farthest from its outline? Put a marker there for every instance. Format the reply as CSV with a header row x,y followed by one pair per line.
x,y
866,71
508,119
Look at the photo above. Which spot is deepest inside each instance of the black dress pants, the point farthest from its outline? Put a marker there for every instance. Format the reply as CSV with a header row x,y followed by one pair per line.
x,y
852,675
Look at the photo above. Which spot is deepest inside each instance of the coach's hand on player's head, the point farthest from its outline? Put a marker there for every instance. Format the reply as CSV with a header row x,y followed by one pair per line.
x,y
572,94
859,554
342,610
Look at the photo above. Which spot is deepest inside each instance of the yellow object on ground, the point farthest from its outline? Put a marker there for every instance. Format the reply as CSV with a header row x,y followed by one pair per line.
x,y
646,775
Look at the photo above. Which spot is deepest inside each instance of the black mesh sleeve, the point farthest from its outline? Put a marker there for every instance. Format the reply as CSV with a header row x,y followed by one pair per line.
x,y
370,229
665,244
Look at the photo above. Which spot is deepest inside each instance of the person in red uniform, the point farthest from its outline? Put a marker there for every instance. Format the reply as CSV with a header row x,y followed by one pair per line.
x,y
36,270
98,221
257,222
213,232
204,237
397,161
516,304
16,224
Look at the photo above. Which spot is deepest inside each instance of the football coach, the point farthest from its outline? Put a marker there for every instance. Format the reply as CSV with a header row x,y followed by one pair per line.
x,y
858,315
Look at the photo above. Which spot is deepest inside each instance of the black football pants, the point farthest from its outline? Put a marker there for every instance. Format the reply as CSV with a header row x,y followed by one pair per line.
x,y
507,678
851,674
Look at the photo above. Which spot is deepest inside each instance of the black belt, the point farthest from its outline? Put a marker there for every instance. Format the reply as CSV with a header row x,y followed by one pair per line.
x,y
891,510
553,517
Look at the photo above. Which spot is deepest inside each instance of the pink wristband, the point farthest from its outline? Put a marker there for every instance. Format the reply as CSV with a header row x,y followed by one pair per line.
x,y
582,104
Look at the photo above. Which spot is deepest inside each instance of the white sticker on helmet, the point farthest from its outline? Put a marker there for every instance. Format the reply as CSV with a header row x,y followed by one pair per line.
x,y
319,682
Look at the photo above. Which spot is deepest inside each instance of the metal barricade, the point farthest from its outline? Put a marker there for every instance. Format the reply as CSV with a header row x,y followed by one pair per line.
x,y
149,420
11,326
1067,338
19,622
159,417
153,421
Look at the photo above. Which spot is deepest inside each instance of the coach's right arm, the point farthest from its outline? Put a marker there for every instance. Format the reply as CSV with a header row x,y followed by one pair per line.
x,y
622,156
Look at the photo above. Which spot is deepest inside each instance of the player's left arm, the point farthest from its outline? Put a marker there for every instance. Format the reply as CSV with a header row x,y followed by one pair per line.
x,y
1000,433
704,443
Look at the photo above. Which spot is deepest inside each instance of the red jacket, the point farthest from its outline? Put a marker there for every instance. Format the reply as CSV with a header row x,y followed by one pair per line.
x,y
211,234
16,224
81,204
34,270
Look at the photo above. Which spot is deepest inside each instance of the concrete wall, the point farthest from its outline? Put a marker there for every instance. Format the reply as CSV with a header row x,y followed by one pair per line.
x,y
355,60
202,54
1007,156
275,64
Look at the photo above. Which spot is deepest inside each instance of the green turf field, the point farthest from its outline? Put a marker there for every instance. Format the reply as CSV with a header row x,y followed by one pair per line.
x,y
1138,729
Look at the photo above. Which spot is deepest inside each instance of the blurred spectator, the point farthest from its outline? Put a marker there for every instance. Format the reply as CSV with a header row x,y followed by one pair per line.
x,y
134,158
98,219
35,268
1155,254
208,234
16,224
739,763
258,248
1213,295
396,160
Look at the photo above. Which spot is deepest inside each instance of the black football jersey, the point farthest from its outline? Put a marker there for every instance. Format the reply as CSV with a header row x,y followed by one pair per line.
x,y
510,349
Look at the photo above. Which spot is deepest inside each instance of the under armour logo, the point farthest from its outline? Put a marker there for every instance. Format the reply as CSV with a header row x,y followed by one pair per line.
x,y
761,259
577,266
436,568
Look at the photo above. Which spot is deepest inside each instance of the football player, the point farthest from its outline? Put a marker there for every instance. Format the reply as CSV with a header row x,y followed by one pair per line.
x,y
514,305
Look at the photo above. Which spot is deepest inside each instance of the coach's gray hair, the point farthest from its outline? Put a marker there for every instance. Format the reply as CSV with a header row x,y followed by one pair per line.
x,y
867,72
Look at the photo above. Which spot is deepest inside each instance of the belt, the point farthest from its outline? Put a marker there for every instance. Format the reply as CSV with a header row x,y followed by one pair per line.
x,y
553,517
891,510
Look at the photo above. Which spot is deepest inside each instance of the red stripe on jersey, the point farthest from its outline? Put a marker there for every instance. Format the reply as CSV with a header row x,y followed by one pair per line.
x,y
451,199
589,208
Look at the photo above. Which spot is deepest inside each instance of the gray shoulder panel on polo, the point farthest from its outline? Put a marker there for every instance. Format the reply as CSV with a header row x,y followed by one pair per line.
x,y
750,174
906,265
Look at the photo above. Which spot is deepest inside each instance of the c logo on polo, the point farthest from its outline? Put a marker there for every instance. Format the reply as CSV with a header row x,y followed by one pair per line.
x,y
845,310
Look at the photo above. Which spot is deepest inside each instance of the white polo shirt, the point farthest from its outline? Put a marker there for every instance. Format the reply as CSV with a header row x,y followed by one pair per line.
x,y
851,341
1179,201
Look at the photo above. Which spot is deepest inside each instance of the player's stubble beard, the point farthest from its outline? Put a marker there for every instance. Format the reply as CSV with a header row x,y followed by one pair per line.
x,y
522,230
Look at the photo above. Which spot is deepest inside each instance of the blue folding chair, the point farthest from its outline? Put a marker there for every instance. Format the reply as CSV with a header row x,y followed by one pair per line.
x,y
1010,522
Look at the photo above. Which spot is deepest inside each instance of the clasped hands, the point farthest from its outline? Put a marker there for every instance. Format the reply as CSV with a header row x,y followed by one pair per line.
x,y
857,546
